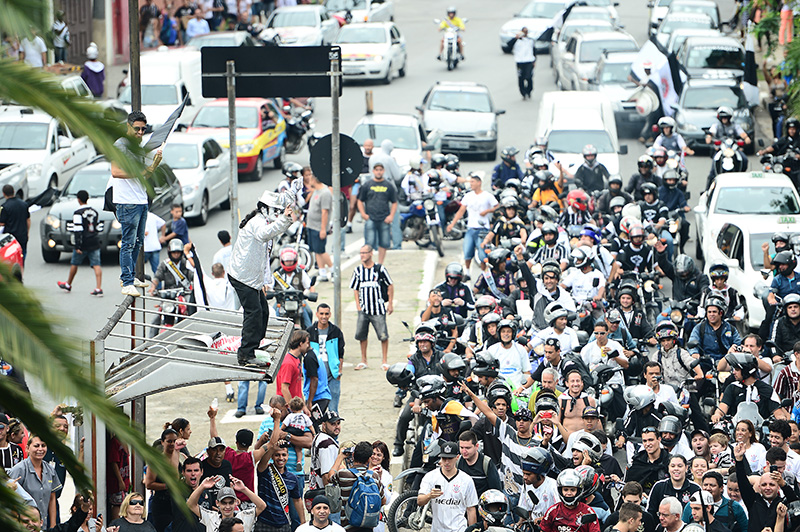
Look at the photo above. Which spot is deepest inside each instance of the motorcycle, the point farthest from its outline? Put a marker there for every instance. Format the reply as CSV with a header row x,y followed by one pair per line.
x,y
171,310
293,238
405,513
599,389
420,224
297,127
682,313
450,51
290,302
787,163
728,158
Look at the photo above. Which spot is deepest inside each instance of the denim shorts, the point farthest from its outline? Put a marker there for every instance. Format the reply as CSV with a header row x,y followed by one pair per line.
x,y
377,234
472,242
78,258
315,243
378,323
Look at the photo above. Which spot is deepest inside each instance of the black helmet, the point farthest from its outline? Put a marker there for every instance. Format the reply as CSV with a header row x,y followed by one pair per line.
x,y
546,400
434,178
670,424
666,329
684,266
452,162
498,391
645,161
785,258
490,498
716,301
616,178
507,153
745,362
485,301
489,319
399,375
549,228
431,386
792,122
289,168
509,324
438,160
569,478
452,361
718,270
454,270
649,188
537,460
498,256
628,287
590,480
486,365
780,236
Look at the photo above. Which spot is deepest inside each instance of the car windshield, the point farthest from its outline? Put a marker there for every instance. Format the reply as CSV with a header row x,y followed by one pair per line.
x,y
756,200
713,97
475,102
541,9
713,57
214,40
598,3
663,3
591,51
361,35
283,19
181,156
589,14
403,137
212,116
343,5
153,95
574,141
615,73
569,29
709,10
92,181
671,24
20,136
756,253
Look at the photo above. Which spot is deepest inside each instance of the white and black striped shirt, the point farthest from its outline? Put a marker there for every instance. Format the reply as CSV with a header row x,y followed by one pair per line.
x,y
557,253
369,283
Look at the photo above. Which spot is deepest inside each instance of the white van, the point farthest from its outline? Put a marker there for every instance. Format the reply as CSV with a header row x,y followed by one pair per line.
x,y
571,120
168,76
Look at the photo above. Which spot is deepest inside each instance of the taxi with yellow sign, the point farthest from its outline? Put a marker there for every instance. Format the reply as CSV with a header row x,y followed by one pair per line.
x,y
260,132
735,217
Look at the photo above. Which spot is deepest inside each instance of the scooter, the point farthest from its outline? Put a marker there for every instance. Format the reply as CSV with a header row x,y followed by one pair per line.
x,y
293,237
728,158
297,127
172,310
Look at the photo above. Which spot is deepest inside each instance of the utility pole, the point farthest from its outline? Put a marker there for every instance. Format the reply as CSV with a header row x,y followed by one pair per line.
x,y
135,73
234,189
336,181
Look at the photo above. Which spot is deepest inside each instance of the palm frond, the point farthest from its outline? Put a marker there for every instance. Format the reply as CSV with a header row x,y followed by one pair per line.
x,y
10,504
17,16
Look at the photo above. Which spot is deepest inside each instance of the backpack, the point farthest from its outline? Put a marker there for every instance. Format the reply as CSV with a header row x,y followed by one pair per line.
x,y
363,507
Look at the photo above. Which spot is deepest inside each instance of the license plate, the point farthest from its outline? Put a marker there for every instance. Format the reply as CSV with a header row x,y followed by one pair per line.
x,y
291,305
786,220
459,144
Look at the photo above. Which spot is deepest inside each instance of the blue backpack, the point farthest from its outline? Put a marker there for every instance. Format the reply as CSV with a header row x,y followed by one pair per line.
x,y
364,504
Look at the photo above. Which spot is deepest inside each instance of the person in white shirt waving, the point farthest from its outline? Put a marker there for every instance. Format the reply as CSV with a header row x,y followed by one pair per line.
x,y
610,352
226,505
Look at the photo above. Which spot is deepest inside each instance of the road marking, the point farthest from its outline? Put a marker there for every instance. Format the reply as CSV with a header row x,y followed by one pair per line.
x,y
428,280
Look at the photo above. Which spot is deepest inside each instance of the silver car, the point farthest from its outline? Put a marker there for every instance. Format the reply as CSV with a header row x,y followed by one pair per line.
x,y
584,50
562,37
361,10
611,77
203,168
537,16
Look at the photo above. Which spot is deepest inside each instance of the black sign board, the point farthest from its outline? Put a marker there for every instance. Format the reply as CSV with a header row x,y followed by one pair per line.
x,y
352,160
269,71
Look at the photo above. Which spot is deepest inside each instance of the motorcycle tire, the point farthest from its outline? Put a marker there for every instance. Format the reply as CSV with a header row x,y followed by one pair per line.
x,y
437,240
406,503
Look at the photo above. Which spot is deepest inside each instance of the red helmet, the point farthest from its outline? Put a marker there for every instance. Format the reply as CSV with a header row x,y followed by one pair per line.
x,y
288,258
577,199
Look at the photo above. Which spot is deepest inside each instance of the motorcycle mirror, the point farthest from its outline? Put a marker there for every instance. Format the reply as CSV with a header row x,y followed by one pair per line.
x,y
694,364
527,324
588,518
521,512
691,344
760,143
709,401
313,280
534,499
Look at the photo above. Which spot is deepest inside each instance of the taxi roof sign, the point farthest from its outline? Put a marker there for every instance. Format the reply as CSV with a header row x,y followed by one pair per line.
x,y
757,175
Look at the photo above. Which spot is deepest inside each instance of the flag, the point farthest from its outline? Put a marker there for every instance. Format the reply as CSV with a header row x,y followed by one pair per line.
x,y
750,79
558,21
160,135
666,76
649,53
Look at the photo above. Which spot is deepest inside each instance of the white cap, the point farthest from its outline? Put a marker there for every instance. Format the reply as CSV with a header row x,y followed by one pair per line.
x,y
92,52
702,497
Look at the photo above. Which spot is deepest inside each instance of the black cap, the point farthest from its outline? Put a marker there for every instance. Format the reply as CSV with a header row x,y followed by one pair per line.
x,y
695,432
245,437
331,416
449,450
4,419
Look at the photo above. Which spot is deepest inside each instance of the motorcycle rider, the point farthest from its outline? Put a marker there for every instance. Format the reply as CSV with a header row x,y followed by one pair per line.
x,y
486,369
453,370
619,332
547,290
654,216
576,215
780,241
553,359
490,335
473,333
687,281
791,141
672,437
556,317
669,139
591,175
601,258
651,464
536,464
174,272
289,277
452,21
641,400
724,128
587,285
515,366
507,168
747,388
549,189
496,279
566,515
644,175
492,510
499,399
719,272
412,184
786,282
714,336
634,256
633,317
675,360
509,226
605,351
552,250
786,329
293,182
660,166
674,198
614,191
455,293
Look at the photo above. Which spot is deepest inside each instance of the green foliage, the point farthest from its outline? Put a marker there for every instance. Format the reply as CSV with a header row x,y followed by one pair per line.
x,y
791,66
768,28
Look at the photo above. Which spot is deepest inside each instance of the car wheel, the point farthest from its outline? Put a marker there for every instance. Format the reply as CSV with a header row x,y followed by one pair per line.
x,y
402,72
203,218
698,249
53,183
278,161
387,79
255,175
226,205
50,256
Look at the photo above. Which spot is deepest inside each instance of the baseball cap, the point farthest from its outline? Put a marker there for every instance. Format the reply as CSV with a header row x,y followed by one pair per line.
x,y
614,316
226,493
320,499
449,450
245,437
4,419
331,416
702,497
591,411
216,441
695,432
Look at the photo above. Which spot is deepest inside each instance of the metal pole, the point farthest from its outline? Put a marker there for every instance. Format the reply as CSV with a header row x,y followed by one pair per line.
x,y
336,181
134,71
234,191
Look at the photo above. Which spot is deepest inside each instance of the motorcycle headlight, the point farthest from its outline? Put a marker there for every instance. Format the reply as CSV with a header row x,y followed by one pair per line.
x,y
52,221
428,204
244,148
676,316
33,171
649,286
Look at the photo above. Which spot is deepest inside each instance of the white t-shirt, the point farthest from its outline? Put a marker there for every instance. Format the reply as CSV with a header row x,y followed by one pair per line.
x,y
212,518
547,494
219,293
152,226
592,356
308,527
223,256
476,204
59,34
450,507
514,362
127,191
793,463
568,339
757,456
666,394
33,51
583,284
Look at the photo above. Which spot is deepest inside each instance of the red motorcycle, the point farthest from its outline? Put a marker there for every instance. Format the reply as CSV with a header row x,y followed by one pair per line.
x,y
11,254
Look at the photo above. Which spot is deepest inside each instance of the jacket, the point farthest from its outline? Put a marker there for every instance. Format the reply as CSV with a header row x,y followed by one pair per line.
x,y
648,473
664,488
706,337
604,201
729,513
693,287
502,173
759,510
73,525
638,326
251,251
785,334
420,368
334,343
637,180
391,169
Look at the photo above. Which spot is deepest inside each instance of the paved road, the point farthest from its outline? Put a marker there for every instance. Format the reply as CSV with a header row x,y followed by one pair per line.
x,y
367,401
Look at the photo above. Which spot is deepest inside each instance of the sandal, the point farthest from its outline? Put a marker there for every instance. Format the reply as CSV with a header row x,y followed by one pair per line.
x,y
361,366
385,367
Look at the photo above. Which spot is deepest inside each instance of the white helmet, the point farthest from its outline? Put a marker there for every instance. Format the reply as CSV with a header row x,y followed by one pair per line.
x,y
632,209
92,52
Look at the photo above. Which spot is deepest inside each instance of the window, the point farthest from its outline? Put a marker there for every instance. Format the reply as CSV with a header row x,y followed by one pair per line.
x,y
757,200
208,152
728,237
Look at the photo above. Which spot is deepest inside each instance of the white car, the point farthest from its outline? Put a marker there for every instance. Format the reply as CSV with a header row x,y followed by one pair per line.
x,y
583,51
203,168
678,37
47,149
406,133
562,36
734,217
537,16
658,10
608,5
372,50
305,25
679,21
362,10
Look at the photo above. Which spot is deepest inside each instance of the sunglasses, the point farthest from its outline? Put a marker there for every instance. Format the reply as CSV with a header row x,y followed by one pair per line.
x,y
2,426
600,333
138,129
136,502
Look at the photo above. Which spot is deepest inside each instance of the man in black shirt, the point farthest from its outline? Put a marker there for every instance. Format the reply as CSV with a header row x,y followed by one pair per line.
x,y
15,219
85,226
215,464
748,388
457,295
477,465
192,471
377,203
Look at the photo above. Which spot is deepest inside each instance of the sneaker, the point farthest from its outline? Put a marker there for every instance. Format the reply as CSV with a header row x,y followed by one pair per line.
x,y
398,449
439,57
252,362
259,411
97,292
238,414
398,401
64,286
229,397
348,229
140,284
130,290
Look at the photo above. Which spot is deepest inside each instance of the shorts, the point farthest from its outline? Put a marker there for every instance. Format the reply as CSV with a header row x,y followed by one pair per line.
x,y
378,322
115,499
346,192
315,243
472,241
78,258
377,234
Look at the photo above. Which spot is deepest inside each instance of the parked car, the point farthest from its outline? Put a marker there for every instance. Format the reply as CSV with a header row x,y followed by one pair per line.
x,y
304,25
590,13
256,142
714,57
47,149
373,50
361,10
465,114
406,131
608,5
203,168
582,52
611,77
224,38
698,104
537,16
15,175
678,21
94,178
561,37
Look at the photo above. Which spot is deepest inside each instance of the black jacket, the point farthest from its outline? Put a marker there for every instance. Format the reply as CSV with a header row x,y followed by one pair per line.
x,y
785,334
72,525
694,287
422,368
664,488
647,473
637,180
759,511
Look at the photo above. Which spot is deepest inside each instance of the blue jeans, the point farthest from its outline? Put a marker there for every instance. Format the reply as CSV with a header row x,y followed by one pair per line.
x,y
132,217
151,258
244,389
335,386
472,242
397,233
378,234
